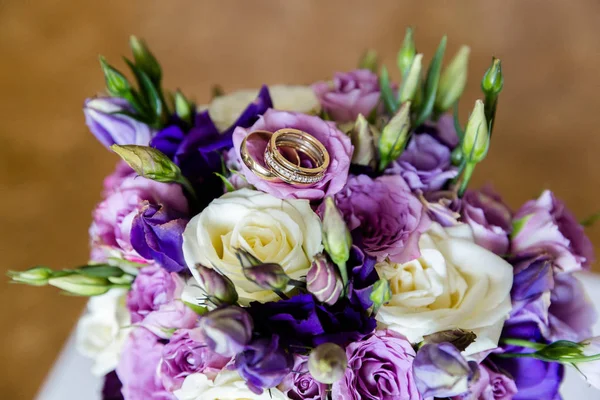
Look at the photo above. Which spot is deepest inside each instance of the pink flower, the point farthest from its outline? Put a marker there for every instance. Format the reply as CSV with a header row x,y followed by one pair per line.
x,y
490,385
300,385
124,192
337,144
350,94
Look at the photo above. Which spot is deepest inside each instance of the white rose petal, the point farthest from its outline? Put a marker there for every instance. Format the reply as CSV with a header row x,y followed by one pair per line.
x,y
225,110
102,331
287,232
454,284
228,385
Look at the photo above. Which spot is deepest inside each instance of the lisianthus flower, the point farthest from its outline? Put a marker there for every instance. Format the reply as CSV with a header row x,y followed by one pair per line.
x,y
379,367
126,193
110,127
383,216
300,385
286,232
446,287
349,94
490,385
138,367
425,164
338,146
302,322
546,225
185,354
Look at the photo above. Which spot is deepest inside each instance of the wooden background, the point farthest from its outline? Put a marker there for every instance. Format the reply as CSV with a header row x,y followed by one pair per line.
x,y
546,134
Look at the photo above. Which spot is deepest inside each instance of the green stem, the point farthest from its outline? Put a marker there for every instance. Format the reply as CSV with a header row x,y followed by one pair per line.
x,y
523,343
183,181
589,221
568,360
490,104
468,172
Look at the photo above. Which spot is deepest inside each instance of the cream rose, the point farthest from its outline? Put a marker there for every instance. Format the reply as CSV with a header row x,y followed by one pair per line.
x,y
225,110
228,385
102,331
287,232
453,284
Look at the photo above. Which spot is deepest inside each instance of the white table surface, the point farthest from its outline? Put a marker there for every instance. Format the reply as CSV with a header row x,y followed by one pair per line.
x,y
71,379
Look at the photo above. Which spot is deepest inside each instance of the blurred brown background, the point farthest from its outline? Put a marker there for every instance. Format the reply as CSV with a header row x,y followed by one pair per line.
x,y
546,134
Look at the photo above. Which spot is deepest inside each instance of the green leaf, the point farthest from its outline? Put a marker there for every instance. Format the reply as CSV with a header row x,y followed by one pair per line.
x,y
431,83
196,308
591,220
369,61
145,59
387,95
116,83
150,102
518,224
100,271
228,186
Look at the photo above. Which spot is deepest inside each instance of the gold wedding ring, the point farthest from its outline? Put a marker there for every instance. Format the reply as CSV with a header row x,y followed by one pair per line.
x,y
282,160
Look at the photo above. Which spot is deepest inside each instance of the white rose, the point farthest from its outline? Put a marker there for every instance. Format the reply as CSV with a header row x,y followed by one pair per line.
x,y
102,331
286,232
454,284
228,385
225,110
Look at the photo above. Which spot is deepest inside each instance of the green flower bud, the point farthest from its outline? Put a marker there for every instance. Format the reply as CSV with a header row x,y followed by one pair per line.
x,y
183,108
410,85
327,363
453,80
493,81
149,162
116,83
407,52
369,61
381,293
268,276
477,139
36,276
81,285
144,59
363,136
394,136
336,236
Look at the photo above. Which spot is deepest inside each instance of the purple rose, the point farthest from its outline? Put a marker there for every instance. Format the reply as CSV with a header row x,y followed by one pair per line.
x,y
157,234
384,216
185,354
109,127
337,144
442,207
227,330
546,225
491,385
303,322
571,314
138,367
110,231
489,218
379,367
300,385
425,164
264,364
350,94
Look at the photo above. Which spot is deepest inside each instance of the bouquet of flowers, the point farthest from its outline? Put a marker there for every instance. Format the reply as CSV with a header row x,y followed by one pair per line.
x,y
321,242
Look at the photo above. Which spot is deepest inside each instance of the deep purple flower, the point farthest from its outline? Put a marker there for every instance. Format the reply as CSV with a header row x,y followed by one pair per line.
x,y
491,385
227,330
489,218
103,118
546,225
362,276
303,321
425,164
384,216
111,390
338,146
152,288
350,94
264,364
138,367
300,385
533,276
185,354
440,370
379,367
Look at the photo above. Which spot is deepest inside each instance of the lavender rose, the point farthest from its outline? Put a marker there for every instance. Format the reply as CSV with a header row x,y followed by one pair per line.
x,y
385,217
185,354
138,367
425,164
300,385
491,385
337,144
489,218
379,367
125,194
547,225
227,330
109,127
157,234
